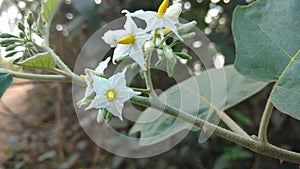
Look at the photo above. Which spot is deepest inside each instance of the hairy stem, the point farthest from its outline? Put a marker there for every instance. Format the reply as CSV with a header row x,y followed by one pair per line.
x,y
43,77
254,145
264,123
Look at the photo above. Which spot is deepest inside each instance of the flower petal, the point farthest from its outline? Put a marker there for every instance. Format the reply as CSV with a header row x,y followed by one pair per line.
x,y
111,37
174,11
136,53
118,80
116,109
171,25
120,51
101,85
130,25
102,66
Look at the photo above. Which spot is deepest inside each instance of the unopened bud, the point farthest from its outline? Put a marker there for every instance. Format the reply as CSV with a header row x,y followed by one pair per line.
x,y
188,36
86,101
30,19
101,115
148,48
168,52
22,35
11,47
183,55
7,35
184,28
108,117
21,26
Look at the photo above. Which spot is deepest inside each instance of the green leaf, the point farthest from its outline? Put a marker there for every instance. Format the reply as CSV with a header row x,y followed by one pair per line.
x,y
267,38
5,81
49,8
42,60
194,96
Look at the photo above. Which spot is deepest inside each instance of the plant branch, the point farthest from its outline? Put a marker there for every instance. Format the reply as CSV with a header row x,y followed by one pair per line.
x,y
264,123
226,119
43,77
254,145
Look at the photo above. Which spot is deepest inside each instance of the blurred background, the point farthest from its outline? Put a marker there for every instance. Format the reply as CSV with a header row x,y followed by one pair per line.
x,y
38,124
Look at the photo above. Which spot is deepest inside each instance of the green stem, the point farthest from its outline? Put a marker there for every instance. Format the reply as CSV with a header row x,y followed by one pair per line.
x,y
39,77
264,123
147,75
44,77
58,61
254,145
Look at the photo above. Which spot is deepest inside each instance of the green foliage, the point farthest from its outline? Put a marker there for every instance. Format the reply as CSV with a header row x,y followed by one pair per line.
x,y
42,60
230,155
193,96
267,48
5,81
49,8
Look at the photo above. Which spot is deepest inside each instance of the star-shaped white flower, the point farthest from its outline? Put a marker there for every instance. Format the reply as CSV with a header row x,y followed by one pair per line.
x,y
89,81
128,41
89,76
111,93
164,18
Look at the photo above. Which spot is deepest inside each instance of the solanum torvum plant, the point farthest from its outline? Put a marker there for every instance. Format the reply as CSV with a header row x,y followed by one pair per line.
x,y
264,54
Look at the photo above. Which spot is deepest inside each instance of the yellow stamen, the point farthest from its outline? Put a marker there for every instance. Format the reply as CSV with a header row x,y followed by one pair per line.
x,y
130,39
281,161
163,8
166,31
82,77
111,95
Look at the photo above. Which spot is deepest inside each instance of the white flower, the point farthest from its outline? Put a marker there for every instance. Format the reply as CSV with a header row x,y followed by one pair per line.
x,y
111,93
128,41
164,18
89,76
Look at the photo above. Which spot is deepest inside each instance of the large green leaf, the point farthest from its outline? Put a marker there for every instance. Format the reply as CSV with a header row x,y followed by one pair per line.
x,y
194,96
267,38
42,60
5,81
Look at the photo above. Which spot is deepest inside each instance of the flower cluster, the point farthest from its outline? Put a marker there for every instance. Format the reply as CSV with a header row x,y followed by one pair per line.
x,y
109,95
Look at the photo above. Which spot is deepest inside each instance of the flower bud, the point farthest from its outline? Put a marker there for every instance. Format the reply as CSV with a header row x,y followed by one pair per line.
x,y
101,115
168,52
22,35
183,55
108,117
11,54
30,19
184,28
21,26
148,48
86,101
11,47
7,35
188,36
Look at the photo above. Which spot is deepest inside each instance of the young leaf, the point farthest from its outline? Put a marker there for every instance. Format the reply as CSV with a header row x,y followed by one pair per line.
x,y
42,60
267,42
5,81
49,8
191,96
